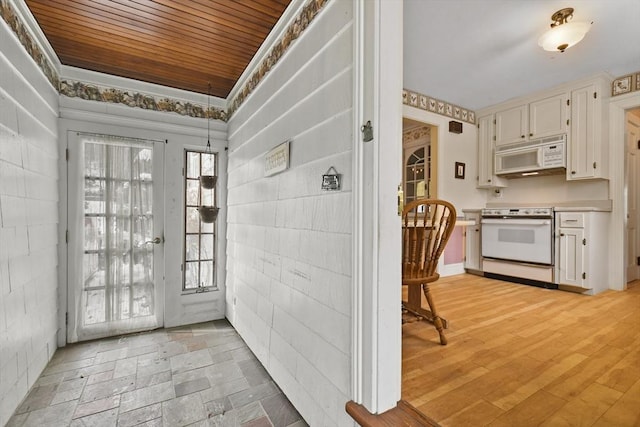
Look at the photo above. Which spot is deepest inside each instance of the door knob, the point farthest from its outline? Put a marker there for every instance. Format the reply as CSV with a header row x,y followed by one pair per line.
x,y
155,241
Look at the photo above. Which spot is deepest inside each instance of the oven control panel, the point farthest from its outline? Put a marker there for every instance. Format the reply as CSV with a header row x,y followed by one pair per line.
x,y
518,212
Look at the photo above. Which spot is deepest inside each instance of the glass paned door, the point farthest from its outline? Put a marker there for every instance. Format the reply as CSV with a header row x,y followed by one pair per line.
x,y
115,250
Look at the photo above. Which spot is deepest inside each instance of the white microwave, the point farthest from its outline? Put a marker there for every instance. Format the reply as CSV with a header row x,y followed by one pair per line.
x,y
536,157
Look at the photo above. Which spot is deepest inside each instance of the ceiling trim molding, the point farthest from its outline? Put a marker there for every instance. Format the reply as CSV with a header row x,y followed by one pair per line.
x,y
293,31
433,105
93,92
17,24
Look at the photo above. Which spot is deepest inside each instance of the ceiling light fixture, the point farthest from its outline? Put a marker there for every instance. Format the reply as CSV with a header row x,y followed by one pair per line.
x,y
563,34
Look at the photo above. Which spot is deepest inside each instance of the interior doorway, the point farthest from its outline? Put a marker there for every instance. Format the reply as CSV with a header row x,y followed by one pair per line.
x,y
419,160
632,187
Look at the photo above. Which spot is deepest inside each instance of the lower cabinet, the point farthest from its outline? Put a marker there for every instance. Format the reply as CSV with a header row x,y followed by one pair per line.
x,y
581,255
472,256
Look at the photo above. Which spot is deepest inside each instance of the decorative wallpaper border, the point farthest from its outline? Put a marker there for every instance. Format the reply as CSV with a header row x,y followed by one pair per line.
x,y
410,136
425,102
626,84
76,89
20,29
297,27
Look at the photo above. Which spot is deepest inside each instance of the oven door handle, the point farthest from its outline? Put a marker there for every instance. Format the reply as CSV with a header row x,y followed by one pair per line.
x,y
516,221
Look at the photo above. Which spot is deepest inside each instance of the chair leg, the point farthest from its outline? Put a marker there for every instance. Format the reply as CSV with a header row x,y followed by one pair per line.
x,y
436,319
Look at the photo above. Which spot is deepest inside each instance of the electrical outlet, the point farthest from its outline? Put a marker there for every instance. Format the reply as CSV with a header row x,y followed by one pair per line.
x,y
497,193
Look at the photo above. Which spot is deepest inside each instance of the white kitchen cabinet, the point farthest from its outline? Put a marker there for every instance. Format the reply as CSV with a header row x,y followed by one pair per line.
x,y
537,119
511,125
587,153
580,251
486,154
548,116
472,255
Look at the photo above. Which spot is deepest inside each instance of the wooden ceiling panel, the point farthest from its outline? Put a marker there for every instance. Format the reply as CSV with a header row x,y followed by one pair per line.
x,y
185,44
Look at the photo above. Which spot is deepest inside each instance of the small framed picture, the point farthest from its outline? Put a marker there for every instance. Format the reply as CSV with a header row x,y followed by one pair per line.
x,y
638,81
621,85
460,170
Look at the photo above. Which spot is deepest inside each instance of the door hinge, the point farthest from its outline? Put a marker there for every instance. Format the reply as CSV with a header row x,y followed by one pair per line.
x,y
66,318
494,121
594,165
595,95
584,242
584,276
66,154
494,137
367,131
567,122
181,267
66,236
568,102
638,261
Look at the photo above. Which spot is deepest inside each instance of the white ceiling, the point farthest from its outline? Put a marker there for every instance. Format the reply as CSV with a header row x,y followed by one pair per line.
x,y
477,53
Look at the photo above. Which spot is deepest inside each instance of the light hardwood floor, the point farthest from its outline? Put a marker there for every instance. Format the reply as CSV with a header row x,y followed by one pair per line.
x,y
525,356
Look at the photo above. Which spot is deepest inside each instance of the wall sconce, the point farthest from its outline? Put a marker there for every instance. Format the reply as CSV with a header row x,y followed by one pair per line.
x,y
563,34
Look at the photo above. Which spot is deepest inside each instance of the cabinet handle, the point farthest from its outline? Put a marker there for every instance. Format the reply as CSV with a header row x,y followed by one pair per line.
x,y
521,136
530,134
488,180
573,172
561,234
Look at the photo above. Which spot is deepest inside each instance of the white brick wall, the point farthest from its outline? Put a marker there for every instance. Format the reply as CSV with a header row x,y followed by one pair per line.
x,y
28,221
289,243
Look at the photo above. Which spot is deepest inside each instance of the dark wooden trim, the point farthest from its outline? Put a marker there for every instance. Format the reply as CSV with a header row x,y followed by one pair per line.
x,y
402,415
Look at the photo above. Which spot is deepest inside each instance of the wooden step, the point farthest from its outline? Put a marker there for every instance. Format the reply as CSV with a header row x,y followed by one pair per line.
x,y
403,415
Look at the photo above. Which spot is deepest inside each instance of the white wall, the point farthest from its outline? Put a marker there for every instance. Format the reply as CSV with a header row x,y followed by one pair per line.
x,y
289,243
550,190
28,221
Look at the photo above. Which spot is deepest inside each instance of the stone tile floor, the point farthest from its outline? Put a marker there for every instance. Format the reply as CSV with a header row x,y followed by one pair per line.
x,y
198,375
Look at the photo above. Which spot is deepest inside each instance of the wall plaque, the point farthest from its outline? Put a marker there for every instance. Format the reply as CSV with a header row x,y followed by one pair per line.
x,y
277,159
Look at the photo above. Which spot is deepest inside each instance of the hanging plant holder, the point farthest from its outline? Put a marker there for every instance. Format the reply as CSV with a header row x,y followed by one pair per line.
x,y
208,214
208,181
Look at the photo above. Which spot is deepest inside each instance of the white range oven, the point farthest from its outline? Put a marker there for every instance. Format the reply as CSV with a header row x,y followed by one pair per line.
x,y
518,245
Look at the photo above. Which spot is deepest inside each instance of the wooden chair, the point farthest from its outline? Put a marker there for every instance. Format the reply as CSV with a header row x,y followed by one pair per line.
x,y
427,225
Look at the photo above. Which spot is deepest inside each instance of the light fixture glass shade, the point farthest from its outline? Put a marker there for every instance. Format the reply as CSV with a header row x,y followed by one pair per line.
x,y
563,36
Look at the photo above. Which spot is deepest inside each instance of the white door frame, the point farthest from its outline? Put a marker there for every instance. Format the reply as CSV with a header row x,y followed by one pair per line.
x,y
632,159
617,131
75,236
376,327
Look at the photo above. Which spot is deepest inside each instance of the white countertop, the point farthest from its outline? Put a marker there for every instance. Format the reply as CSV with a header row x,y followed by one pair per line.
x,y
572,206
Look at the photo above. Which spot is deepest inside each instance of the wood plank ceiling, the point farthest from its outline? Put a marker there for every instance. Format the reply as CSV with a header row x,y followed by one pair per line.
x,y
185,44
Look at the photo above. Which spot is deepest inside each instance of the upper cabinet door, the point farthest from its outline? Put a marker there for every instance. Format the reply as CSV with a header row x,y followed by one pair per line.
x,y
586,155
511,125
548,117
486,154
